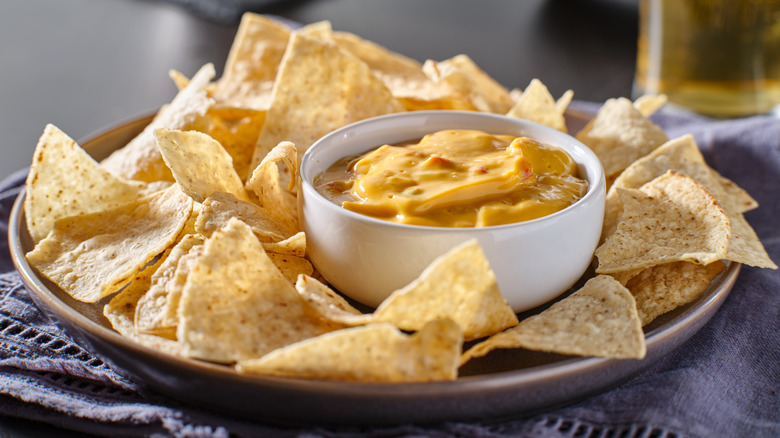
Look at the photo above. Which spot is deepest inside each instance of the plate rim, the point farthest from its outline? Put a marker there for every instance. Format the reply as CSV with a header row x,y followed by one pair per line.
x,y
689,321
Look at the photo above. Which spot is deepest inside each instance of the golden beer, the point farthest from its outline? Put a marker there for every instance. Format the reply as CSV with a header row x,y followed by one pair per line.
x,y
715,57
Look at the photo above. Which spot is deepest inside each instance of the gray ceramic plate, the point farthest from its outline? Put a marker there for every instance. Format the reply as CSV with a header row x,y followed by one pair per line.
x,y
504,384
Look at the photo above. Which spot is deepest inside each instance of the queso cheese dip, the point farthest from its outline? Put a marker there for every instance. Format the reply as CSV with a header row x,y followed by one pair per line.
x,y
456,178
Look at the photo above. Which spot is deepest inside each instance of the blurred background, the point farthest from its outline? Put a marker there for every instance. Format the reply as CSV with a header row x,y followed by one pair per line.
x,y
84,65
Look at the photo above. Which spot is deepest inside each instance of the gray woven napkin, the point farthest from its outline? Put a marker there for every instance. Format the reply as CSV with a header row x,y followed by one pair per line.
x,y
723,382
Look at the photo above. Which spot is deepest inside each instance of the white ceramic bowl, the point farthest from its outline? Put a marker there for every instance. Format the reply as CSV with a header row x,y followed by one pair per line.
x,y
366,258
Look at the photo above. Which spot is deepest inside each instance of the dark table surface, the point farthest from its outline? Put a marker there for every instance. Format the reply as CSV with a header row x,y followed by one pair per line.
x,y
86,64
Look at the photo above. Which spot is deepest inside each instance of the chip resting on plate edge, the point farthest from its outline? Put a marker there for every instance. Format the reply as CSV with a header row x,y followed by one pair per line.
x,y
65,181
600,319
96,254
371,353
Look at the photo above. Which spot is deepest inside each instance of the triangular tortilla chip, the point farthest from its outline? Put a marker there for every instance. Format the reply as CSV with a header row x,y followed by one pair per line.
x,y
465,78
294,245
663,288
94,255
322,30
745,246
237,130
278,198
391,356
620,134
252,63
403,76
563,102
320,88
648,104
458,285
156,311
179,79
537,105
672,218
683,155
236,304
199,164
140,159
219,208
291,266
328,303
65,181
599,320
120,312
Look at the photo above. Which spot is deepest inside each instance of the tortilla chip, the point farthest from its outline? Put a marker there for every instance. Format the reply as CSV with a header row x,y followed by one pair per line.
x,y
219,208
236,304
465,78
537,105
156,311
140,159
65,181
745,246
189,226
318,89
328,303
237,130
663,288
428,355
648,104
180,80
624,276
94,255
453,102
252,63
735,197
294,245
683,155
120,311
600,319
563,102
280,201
199,164
403,76
322,30
672,218
458,285
620,134
291,266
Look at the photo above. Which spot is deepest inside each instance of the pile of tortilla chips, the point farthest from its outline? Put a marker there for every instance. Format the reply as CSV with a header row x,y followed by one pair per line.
x,y
188,236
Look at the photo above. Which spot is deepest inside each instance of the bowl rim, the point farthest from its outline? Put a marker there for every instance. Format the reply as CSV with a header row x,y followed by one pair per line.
x,y
306,185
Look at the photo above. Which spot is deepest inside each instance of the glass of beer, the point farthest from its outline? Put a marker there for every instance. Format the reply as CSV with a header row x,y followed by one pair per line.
x,y
719,58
